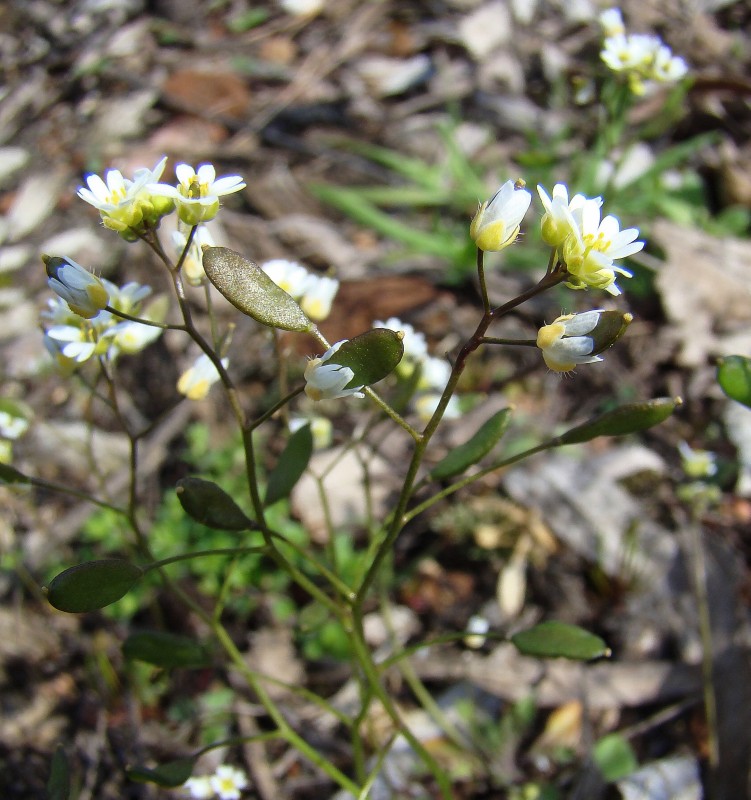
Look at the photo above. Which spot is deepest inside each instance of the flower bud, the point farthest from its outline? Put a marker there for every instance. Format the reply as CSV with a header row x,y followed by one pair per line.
x,y
84,293
496,223
579,338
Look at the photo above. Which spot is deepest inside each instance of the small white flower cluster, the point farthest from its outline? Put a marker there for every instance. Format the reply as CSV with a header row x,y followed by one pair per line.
x,y
227,783
132,207
76,325
434,372
697,464
644,59
314,293
585,243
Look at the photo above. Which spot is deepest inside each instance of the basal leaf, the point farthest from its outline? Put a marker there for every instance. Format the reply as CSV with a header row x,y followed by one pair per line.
x,y
58,784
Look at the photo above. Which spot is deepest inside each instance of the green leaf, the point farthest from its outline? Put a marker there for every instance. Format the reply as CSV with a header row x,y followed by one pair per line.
x,y
614,756
734,377
291,465
92,585
483,441
166,650
10,474
559,640
630,418
371,356
58,785
251,290
169,775
210,505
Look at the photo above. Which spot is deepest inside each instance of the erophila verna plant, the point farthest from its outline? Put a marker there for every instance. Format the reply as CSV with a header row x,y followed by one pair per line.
x,y
91,323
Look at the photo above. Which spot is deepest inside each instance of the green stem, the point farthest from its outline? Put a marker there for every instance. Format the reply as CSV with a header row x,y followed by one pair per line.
x,y
219,551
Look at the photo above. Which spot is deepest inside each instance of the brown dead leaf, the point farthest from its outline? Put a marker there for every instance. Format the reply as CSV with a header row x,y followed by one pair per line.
x,y
219,94
705,285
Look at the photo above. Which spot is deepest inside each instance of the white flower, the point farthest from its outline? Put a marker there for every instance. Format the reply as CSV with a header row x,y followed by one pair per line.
x,y
228,782
477,629
426,404
644,59
72,342
196,381
561,217
126,298
697,463
198,191
12,425
318,296
200,787
668,68
131,337
564,343
594,245
84,293
415,346
320,427
325,380
611,21
287,275
123,203
192,266
302,8
435,373
497,221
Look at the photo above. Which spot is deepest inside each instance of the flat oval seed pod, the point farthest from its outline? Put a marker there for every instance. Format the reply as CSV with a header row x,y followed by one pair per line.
x,y
251,291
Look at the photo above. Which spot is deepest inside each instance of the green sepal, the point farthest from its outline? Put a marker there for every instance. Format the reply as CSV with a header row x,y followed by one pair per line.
x,y
168,650
290,466
58,784
630,418
611,325
250,290
210,505
169,775
478,446
734,377
371,356
560,640
92,585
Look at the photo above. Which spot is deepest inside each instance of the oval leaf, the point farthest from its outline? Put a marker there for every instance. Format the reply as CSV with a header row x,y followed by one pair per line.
x,y
166,650
614,757
626,419
483,441
210,505
10,474
173,773
250,290
559,640
291,465
92,585
371,356
58,784
734,377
